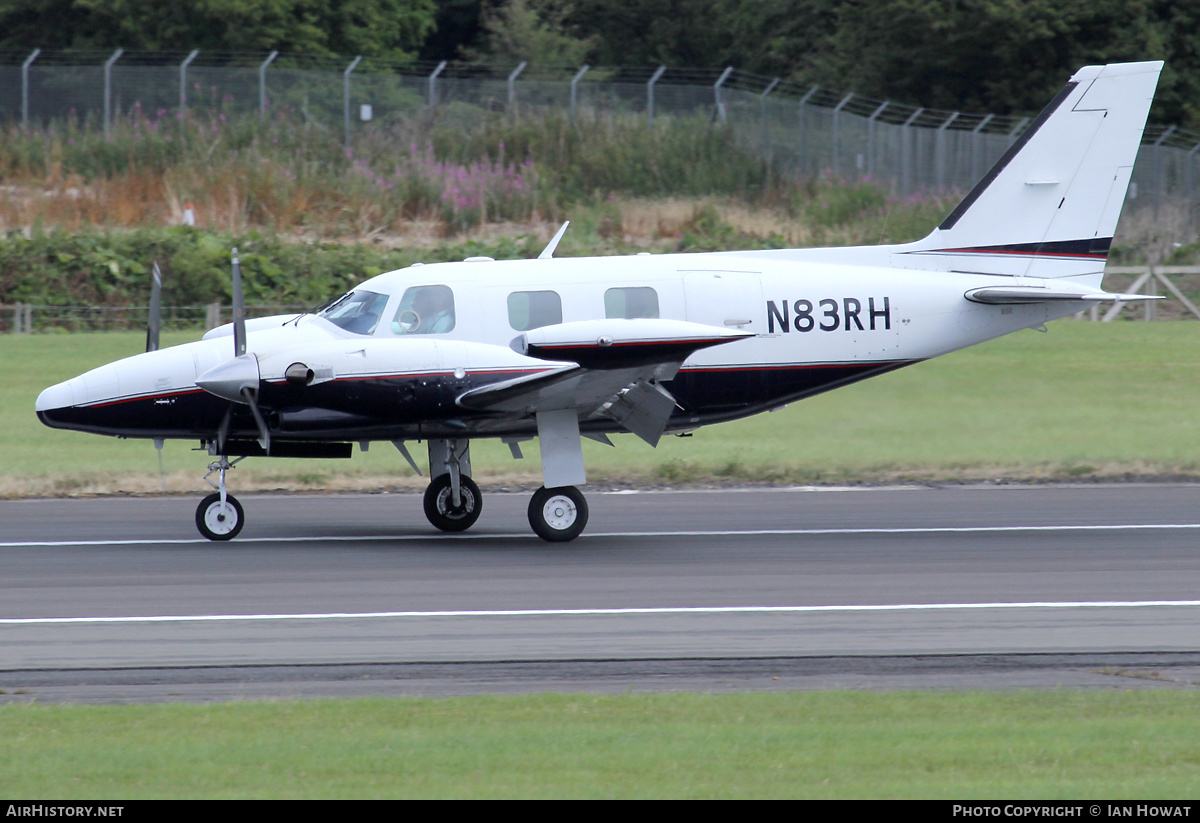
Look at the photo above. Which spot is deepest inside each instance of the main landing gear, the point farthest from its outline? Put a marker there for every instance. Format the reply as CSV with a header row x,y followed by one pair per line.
x,y
219,516
558,514
446,514
453,502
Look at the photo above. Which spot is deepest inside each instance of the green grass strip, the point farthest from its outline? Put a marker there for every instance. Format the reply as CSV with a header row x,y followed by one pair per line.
x,y
1053,744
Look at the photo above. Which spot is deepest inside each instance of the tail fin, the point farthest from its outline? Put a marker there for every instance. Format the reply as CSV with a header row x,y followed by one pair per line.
x,y
1050,205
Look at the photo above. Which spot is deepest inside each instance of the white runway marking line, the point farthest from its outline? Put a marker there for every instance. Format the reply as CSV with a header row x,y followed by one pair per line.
x,y
909,607
523,536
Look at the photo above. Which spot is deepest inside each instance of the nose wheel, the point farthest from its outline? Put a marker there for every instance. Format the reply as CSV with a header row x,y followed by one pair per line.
x,y
219,519
219,516
558,515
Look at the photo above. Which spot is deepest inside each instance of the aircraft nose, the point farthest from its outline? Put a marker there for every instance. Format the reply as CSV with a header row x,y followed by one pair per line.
x,y
54,403
56,397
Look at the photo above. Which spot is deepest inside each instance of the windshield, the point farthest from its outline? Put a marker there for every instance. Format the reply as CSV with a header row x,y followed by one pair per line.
x,y
357,312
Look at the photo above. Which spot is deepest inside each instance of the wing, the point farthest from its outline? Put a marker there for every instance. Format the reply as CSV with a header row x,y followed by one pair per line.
x,y
614,370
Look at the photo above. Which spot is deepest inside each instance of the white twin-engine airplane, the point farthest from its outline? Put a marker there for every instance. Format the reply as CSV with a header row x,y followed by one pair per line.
x,y
569,348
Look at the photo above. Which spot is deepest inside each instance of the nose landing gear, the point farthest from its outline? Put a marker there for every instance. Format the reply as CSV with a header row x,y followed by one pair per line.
x,y
219,516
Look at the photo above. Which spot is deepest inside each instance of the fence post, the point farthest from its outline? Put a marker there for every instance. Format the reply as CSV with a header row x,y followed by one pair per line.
x,y
1159,180
25,86
717,92
108,64
802,122
1151,309
183,67
906,150
346,97
939,145
1191,178
762,109
23,318
976,136
836,138
512,85
212,316
262,84
574,84
650,95
433,84
871,138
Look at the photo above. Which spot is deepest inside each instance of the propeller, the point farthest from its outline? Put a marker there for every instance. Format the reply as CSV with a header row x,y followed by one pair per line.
x,y
153,327
238,379
154,324
239,308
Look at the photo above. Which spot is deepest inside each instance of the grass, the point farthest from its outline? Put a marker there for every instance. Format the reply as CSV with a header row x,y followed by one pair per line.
x,y
1048,745
1086,400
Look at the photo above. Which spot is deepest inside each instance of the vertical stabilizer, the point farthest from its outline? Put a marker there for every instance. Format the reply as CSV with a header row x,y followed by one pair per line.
x,y
1050,205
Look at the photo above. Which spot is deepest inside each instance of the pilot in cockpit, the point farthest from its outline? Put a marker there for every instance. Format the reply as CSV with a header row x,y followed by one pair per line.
x,y
425,310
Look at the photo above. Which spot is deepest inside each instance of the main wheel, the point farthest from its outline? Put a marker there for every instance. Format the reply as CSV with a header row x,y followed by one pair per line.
x,y
220,522
440,508
558,514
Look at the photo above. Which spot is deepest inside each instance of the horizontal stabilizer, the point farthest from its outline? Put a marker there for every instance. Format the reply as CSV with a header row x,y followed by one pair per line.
x,y
1009,295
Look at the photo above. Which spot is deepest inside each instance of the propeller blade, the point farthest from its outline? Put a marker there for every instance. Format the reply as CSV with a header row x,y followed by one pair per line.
x,y
154,324
239,309
264,434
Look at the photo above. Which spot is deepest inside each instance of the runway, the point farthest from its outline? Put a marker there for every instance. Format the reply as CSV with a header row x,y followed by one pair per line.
x,y
119,598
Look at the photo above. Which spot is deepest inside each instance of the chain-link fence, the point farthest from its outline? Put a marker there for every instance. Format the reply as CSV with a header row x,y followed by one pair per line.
x,y
805,130
26,318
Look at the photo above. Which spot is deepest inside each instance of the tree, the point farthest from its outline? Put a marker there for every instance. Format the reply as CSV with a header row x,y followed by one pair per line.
x,y
374,28
531,30
681,33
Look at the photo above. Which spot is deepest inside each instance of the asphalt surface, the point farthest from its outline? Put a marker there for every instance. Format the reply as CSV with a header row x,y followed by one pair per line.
x,y
119,599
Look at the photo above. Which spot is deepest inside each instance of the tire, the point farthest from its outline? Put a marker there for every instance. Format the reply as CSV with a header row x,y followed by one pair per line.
x,y
216,523
442,514
558,515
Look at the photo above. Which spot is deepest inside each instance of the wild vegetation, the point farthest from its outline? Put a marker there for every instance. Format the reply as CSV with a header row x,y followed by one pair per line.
x,y
85,214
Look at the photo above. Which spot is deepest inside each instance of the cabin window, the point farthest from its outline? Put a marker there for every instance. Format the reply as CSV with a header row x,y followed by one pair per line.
x,y
534,309
630,303
356,312
425,310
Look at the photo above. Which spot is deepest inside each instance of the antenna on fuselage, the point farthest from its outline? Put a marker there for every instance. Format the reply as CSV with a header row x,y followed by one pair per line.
x,y
154,323
548,252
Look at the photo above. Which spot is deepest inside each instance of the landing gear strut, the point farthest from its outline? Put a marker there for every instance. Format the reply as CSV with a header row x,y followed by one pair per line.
x,y
559,514
219,516
452,501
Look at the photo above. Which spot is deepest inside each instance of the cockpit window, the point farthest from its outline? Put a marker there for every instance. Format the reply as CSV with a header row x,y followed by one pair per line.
x,y
357,312
425,310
